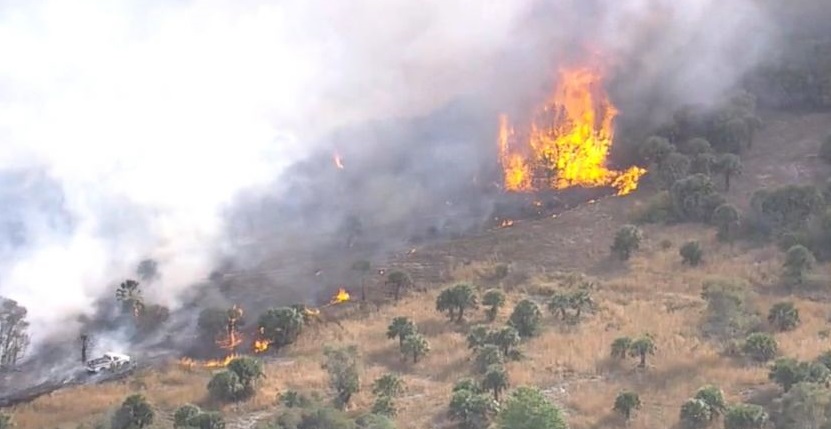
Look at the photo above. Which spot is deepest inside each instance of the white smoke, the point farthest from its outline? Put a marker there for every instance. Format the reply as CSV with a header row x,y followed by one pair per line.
x,y
152,115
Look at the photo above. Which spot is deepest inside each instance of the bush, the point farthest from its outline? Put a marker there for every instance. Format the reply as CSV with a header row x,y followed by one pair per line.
x,y
784,316
745,416
729,312
726,219
493,299
528,408
488,355
471,409
314,418
691,253
182,416
798,261
760,347
526,318
714,398
226,387
803,407
695,413
6,421
787,207
788,372
655,149
627,240
627,402
694,198
673,168
135,413
344,378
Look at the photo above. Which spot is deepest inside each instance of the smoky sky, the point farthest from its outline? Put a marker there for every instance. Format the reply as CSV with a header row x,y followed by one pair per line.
x,y
184,131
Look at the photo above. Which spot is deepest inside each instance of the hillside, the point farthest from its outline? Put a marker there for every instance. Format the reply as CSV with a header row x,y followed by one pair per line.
x,y
652,293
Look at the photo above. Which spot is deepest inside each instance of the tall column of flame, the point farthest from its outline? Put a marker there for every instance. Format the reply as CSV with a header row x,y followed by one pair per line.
x,y
567,143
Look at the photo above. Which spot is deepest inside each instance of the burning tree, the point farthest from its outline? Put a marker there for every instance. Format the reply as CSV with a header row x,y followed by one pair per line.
x,y
280,327
568,141
13,336
129,295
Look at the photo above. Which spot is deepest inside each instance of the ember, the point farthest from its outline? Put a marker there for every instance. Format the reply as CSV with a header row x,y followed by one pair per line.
x,y
338,161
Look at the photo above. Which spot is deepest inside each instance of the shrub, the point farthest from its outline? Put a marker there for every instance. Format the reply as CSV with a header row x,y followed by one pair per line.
x,y
494,299
655,149
344,378
488,355
183,414
784,316
226,387
695,413
691,253
787,207
471,409
456,300
674,167
694,198
760,347
135,413
626,403
745,416
729,312
798,261
528,408
726,219
788,372
714,398
526,318
627,240
620,347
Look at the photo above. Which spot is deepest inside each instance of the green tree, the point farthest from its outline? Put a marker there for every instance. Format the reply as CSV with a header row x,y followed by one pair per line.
x,y
825,359
495,380
626,403
183,414
702,163
471,409
526,318
580,300
558,304
344,375
506,339
696,146
787,207
691,253
446,301
467,384
207,420
398,281
729,313
694,198
362,267
528,408
642,347
729,165
655,149
399,328
281,326
384,406
388,385
225,386
673,168
786,372
695,413
760,347
477,337
714,398
374,421
784,316
13,337
248,370
494,299
456,300
745,416
415,345
798,261
488,355
135,413
627,240
726,218
805,405
620,347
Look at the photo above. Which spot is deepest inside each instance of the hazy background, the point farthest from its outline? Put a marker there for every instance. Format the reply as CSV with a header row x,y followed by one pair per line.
x,y
199,132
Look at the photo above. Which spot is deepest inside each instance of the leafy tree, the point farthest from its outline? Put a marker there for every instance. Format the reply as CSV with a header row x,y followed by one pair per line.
x,y
362,267
315,418
344,378
787,372
825,359
558,304
399,281
702,163
729,165
695,413
726,218
627,402
526,318
225,386
714,398
655,149
467,384
627,240
478,337
673,168
760,347
388,385
129,295
494,299
691,253
148,270
495,380
798,261
805,405
528,408
787,207
580,300
471,409
506,339
642,347
620,347
745,416
825,150
456,300
293,398
400,328
183,414
384,406
248,370
696,146
415,345
135,412
784,316
446,302
694,198
488,355
374,421
281,326
207,420
13,337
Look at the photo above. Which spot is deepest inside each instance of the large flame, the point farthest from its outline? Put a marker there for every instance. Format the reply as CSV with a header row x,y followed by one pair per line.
x,y
568,141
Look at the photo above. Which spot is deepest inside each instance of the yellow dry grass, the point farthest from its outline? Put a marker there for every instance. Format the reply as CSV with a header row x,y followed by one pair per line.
x,y
654,293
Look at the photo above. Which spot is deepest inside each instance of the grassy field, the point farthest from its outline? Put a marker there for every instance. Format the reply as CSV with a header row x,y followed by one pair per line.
x,y
653,293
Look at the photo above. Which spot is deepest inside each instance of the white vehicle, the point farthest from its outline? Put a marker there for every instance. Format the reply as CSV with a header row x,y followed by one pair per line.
x,y
110,361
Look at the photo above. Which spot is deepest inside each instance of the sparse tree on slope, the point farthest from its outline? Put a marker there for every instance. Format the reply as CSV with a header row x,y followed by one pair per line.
x,y
494,299
13,337
344,378
400,328
627,240
798,261
784,316
726,218
626,403
495,380
620,347
282,326
642,347
135,413
415,345
729,165
528,408
526,318
399,281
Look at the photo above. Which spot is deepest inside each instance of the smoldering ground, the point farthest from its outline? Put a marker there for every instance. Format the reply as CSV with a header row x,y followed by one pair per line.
x,y
198,132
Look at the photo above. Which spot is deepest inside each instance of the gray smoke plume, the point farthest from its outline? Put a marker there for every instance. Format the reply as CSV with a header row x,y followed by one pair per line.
x,y
192,131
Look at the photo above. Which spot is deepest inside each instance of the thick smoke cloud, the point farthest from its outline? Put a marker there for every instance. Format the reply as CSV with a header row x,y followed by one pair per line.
x,y
133,129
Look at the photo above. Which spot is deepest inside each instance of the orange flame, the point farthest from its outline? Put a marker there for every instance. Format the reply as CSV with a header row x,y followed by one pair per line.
x,y
338,161
568,141
506,223
260,346
340,297
215,363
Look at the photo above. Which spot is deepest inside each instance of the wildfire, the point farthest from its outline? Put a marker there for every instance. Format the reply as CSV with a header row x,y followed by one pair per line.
x,y
338,161
340,297
567,142
506,223
215,363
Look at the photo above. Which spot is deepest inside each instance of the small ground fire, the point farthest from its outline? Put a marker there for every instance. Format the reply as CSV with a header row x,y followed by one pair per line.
x,y
567,142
